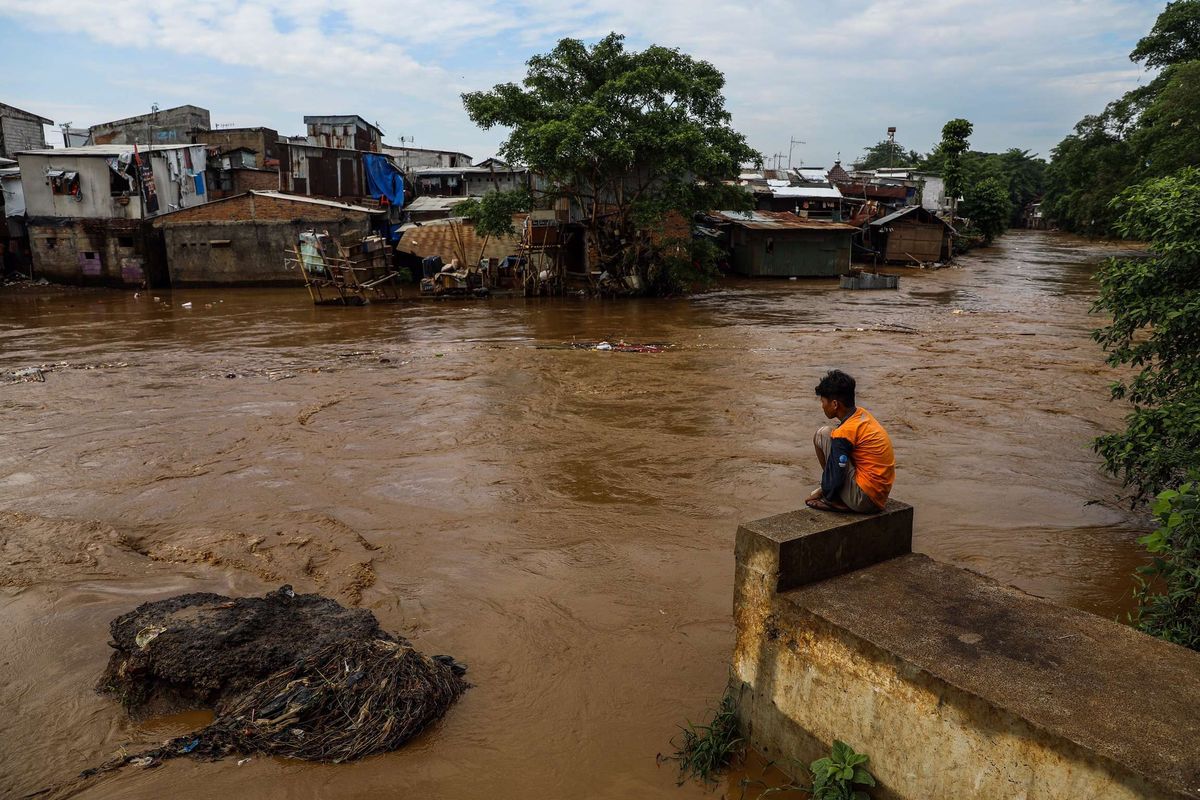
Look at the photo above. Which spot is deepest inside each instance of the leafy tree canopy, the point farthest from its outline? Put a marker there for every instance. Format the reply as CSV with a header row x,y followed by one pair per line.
x,y
887,154
1174,39
955,134
640,134
1155,308
987,205
1149,132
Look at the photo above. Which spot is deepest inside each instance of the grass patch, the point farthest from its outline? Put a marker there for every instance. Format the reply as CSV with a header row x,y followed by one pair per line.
x,y
705,751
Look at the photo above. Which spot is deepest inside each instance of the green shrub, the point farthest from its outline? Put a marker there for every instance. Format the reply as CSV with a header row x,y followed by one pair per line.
x,y
1168,592
836,776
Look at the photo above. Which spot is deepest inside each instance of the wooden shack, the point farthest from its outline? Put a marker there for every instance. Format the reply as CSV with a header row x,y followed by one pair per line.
x,y
786,245
912,235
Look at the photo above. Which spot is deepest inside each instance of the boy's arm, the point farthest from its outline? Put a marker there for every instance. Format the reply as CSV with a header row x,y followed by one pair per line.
x,y
835,468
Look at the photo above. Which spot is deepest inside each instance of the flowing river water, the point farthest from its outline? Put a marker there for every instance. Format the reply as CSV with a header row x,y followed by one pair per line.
x,y
560,520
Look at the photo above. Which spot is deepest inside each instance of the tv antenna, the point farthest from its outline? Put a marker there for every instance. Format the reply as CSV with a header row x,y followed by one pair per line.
x,y
794,141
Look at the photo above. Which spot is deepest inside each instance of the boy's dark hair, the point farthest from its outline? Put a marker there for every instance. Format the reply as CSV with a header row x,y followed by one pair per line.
x,y
837,385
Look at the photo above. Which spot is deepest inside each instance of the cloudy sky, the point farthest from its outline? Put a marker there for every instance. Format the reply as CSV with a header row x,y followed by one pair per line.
x,y
834,74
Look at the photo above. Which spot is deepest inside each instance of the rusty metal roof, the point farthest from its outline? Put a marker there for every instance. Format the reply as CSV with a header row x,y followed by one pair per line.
x,y
779,221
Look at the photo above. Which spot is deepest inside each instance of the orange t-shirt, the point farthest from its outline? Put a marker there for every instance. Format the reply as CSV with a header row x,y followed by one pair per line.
x,y
871,451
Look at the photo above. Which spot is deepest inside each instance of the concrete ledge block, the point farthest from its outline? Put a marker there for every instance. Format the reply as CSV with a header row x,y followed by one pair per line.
x,y
805,546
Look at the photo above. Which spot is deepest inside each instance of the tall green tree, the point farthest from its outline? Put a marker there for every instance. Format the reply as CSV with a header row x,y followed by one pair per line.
x,y
1024,177
955,136
1155,327
1174,39
1149,132
627,136
987,206
884,154
492,214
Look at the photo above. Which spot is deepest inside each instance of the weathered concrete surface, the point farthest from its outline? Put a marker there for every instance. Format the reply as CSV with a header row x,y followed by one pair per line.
x,y
958,686
810,545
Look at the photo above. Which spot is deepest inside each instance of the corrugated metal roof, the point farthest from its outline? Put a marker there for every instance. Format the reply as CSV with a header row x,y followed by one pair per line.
x,y
814,174
296,198
434,203
779,220
807,191
104,149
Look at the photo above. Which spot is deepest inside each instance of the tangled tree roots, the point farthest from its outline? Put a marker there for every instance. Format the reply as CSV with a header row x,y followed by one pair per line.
x,y
292,675
199,650
341,703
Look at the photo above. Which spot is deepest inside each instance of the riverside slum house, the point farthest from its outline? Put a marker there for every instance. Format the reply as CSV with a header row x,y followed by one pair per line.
x,y
912,235
245,239
781,243
19,130
440,188
89,208
177,125
334,179
410,158
433,236
329,161
241,159
805,192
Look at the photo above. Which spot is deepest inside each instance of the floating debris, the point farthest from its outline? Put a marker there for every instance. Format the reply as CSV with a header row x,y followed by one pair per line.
x,y
29,375
620,346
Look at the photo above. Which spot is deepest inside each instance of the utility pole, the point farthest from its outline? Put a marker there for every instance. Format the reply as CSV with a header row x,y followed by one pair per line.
x,y
791,145
891,146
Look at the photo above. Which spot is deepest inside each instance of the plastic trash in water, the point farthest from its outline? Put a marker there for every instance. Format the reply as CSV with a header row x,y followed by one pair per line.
x,y
143,761
187,304
604,346
244,761
190,746
147,635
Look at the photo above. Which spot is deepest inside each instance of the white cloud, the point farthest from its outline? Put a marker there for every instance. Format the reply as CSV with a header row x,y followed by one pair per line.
x,y
835,74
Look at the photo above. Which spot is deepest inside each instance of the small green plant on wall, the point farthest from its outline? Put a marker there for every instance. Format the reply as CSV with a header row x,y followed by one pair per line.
x,y
836,776
705,751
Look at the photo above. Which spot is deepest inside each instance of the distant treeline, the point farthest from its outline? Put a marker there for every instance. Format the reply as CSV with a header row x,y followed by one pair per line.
x,y
1150,132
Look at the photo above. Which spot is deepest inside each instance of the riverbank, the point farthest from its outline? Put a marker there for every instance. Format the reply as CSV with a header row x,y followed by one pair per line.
x,y
561,519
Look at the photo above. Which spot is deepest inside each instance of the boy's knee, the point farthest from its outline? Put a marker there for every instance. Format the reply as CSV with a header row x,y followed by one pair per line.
x,y
823,438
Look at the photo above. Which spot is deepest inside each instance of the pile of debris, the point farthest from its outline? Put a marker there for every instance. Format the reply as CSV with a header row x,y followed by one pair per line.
x,y
287,674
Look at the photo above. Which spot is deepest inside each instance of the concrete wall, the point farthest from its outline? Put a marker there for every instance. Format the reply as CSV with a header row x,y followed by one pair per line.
x,y
243,241
263,141
167,126
954,685
92,252
19,133
247,253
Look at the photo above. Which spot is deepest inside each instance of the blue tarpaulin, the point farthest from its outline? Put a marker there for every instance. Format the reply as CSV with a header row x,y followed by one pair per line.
x,y
383,179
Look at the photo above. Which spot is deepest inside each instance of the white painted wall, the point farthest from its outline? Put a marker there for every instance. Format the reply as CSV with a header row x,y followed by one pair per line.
x,y
96,200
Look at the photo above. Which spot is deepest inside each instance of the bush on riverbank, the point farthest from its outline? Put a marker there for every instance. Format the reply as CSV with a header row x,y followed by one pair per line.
x,y
1168,592
1155,308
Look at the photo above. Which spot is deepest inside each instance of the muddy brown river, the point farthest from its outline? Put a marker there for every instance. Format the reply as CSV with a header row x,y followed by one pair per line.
x,y
560,520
